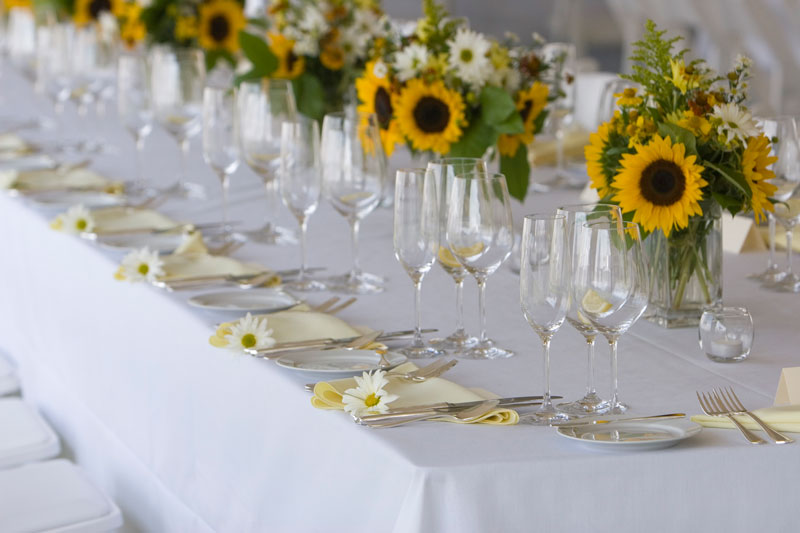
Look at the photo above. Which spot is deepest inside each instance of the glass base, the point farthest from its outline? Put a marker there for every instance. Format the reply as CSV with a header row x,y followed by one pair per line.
x,y
618,409
272,234
420,352
591,404
306,285
485,350
789,283
672,318
772,274
458,341
544,417
186,191
363,283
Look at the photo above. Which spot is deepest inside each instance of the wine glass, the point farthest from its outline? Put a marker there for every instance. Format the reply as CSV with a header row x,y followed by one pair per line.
x,y
177,79
480,235
576,216
220,147
416,240
544,293
561,78
354,176
262,107
133,105
301,183
610,284
444,171
56,67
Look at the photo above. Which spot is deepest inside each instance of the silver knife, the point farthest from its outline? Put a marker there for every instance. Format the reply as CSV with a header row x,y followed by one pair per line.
x,y
579,423
318,343
446,407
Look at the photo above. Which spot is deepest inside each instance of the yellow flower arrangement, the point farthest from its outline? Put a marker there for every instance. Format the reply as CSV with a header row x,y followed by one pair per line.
x,y
430,115
219,24
290,65
530,103
376,96
88,11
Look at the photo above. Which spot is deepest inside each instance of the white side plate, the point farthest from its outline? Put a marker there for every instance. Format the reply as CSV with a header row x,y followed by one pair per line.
x,y
337,363
633,436
262,300
66,199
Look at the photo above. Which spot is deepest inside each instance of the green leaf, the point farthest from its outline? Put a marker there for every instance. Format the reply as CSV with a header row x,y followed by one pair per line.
x,y
726,202
512,125
679,135
258,53
309,95
496,105
517,171
734,177
477,138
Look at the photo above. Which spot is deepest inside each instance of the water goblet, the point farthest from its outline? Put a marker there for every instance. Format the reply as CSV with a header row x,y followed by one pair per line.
x,y
220,149
480,235
610,284
544,293
133,105
301,184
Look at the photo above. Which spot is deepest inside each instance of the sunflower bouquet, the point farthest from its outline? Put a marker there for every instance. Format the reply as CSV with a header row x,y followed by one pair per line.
x,y
212,25
321,46
673,157
81,13
448,90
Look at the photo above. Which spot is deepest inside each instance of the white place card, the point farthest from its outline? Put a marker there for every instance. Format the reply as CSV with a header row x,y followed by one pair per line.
x,y
589,195
788,387
741,235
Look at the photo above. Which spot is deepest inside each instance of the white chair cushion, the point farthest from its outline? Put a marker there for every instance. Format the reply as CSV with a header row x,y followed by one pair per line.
x,y
24,435
9,383
53,496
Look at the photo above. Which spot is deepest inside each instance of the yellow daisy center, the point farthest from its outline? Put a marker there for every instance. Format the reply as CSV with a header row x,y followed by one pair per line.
x,y
431,114
248,340
81,224
143,269
466,55
371,400
662,182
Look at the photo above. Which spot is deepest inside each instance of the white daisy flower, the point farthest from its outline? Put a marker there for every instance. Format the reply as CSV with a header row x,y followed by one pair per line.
x,y
736,122
742,62
306,46
250,332
379,70
142,265
313,21
354,42
468,51
410,60
77,219
368,397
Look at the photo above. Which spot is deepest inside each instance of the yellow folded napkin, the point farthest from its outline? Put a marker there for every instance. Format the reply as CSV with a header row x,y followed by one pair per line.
x,y
43,180
783,418
328,395
296,324
12,145
780,237
543,152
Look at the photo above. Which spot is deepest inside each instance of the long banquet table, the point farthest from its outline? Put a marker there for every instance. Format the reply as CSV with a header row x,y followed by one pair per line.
x,y
187,437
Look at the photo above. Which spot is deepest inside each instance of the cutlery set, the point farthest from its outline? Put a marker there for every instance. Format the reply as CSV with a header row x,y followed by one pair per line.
x,y
725,403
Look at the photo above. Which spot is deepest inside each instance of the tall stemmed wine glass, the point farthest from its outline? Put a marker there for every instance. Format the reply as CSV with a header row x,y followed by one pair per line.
x,y
480,235
444,171
263,106
416,241
177,79
220,147
133,105
610,284
354,176
544,293
576,216
301,184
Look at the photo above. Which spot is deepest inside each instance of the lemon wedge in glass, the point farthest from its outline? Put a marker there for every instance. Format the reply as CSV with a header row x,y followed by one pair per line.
x,y
595,304
446,258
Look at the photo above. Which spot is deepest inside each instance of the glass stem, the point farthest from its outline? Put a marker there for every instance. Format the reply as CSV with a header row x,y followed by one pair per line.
x,y
139,159
771,220
301,277
482,307
559,145
547,404
590,390
789,271
612,343
460,306
185,147
417,311
354,227
225,179
271,194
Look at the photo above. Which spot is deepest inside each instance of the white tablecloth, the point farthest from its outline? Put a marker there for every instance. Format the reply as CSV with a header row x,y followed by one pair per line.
x,y
186,437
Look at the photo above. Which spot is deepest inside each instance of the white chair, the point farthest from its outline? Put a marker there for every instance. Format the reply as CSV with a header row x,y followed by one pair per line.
x,y
53,497
24,435
9,384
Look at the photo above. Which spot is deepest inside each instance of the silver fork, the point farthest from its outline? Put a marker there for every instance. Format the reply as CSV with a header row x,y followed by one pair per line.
x,y
733,403
419,375
343,305
713,407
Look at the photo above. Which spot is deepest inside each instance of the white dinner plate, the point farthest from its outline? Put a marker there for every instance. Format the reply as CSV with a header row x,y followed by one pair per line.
x,y
66,199
337,363
632,436
162,243
263,300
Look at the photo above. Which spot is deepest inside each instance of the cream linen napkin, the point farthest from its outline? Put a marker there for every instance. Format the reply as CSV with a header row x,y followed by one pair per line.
x,y
328,395
780,237
296,324
42,180
128,218
782,418
12,145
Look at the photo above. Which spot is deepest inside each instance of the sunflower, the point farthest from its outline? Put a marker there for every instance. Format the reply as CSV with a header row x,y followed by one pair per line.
x,y
375,94
661,185
87,11
185,27
290,65
220,23
332,57
530,103
755,160
595,153
430,115
10,4
132,32
628,98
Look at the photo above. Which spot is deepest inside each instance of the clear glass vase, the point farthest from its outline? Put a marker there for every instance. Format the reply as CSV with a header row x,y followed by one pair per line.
x,y
685,271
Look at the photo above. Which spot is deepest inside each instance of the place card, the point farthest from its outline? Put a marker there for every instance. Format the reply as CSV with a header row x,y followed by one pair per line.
x,y
741,235
589,195
788,387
